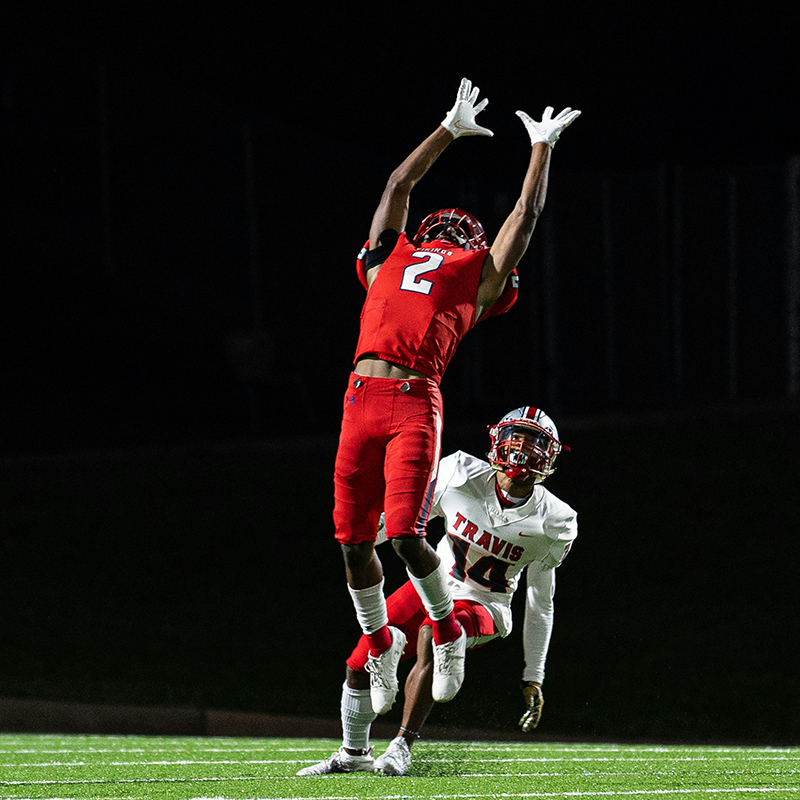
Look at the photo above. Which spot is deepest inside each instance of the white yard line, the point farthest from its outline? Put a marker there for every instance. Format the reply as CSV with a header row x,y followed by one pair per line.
x,y
376,795
493,796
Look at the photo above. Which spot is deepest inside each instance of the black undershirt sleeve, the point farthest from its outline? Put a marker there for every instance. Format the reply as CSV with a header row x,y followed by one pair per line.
x,y
386,242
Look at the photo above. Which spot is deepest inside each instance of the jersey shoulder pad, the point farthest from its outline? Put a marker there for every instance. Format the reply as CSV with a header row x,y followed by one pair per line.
x,y
560,517
506,299
557,506
460,467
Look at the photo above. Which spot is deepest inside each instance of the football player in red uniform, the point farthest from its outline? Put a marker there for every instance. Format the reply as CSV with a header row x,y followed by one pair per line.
x,y
423,294
499,522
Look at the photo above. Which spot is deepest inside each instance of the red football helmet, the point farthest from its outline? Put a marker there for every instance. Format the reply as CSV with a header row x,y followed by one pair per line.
x,y
465,230
525,442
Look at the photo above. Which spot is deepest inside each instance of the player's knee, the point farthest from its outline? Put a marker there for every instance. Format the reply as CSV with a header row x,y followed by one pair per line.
x,y
357,556
417,554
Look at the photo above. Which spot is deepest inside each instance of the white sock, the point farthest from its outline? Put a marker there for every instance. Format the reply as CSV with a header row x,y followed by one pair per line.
x,y
434,594
370,605
357,717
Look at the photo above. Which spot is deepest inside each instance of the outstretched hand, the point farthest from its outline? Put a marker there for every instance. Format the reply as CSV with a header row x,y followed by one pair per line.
x,y
549,128
460,120
534,701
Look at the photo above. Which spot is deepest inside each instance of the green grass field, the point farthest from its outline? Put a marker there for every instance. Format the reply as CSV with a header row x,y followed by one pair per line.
x,y
188,768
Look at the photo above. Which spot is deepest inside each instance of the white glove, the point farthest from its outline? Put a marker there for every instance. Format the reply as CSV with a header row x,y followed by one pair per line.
x,y
549,129
460,120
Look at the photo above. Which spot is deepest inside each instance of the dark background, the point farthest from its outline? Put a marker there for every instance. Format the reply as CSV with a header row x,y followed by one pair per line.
x,y
184,194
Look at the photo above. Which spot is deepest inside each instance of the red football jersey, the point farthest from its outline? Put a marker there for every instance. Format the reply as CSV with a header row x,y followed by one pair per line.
x,y
420,305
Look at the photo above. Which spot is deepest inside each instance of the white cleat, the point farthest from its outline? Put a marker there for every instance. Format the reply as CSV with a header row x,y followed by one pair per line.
x,y
383,685
448,668
395,760
341,761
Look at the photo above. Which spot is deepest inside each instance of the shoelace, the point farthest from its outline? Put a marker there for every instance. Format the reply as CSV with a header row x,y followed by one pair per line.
x,y
397,755
399,751
373,667
331,762
448,656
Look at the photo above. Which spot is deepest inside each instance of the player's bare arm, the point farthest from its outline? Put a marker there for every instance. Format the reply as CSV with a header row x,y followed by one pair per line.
x,y
515,234
392,211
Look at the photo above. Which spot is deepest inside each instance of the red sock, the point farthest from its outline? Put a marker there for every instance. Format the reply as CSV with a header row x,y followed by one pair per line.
x,y
447,629
380,641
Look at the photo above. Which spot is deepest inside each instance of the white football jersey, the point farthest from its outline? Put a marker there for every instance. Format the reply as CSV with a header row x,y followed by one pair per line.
x,y
487,544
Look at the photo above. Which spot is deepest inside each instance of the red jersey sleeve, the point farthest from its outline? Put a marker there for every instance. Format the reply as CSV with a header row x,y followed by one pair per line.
x,y
506,300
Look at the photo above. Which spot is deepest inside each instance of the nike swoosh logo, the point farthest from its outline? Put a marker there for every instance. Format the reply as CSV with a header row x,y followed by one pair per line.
x,y
529,535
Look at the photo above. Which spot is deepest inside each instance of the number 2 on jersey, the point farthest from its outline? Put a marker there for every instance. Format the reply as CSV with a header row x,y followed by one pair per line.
x,y
429,262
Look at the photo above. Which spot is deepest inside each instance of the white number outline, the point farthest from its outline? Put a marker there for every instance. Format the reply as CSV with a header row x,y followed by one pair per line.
x,y
429,262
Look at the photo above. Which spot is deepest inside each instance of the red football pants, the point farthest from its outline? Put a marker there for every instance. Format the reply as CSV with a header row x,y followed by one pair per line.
x,y
388,456
407,613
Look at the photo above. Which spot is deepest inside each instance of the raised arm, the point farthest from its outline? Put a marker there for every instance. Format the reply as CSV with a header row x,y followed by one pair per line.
x,y
392,211
515,234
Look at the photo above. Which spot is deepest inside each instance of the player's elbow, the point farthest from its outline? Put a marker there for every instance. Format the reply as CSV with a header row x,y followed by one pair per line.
x,y
528,211
399,184
521,223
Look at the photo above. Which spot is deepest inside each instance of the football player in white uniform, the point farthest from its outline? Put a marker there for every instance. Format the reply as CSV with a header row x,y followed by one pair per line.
x,y
499,520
